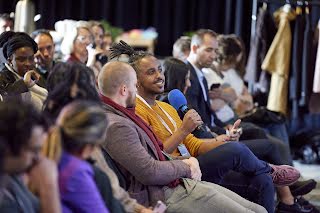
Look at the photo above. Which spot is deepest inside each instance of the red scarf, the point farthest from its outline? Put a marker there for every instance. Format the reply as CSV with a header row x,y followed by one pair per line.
x,y
137,120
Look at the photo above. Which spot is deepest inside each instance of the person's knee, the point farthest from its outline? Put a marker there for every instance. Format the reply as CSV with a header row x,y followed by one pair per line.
x,y
237,148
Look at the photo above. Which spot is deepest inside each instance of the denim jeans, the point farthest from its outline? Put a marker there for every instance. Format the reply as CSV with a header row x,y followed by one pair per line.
x,y
265,150
250,177
277,130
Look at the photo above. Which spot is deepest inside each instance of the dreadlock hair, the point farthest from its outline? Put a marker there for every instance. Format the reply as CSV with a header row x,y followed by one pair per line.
x,y
69,82
118,49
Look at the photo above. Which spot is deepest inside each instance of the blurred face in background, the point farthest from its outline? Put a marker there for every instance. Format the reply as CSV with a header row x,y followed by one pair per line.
x,y
206,52
107,41
5,25
28,155
98,36
82,41
44,56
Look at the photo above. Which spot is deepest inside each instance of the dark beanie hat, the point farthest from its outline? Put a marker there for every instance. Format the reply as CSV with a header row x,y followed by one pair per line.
x,y
17,41
5,36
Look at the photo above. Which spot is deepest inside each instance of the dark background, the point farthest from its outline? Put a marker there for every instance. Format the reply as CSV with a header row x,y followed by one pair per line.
x,y
171,18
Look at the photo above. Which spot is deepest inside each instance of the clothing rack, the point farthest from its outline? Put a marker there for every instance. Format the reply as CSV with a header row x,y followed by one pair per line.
x,y
295,2
277,2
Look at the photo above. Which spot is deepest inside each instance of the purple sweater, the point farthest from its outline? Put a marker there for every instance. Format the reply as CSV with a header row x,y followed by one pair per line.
x,y
78,191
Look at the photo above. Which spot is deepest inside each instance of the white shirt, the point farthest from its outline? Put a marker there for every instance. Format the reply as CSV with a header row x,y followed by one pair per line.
x,y
212,77
232,78
200,76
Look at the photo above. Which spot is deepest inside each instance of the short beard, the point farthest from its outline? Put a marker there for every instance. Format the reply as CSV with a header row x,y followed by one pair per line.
x,y
131,101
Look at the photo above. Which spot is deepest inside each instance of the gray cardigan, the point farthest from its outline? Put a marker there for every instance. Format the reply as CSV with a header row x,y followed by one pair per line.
x,y
136,157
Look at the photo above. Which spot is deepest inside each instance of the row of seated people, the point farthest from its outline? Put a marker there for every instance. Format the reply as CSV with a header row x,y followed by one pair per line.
x,y
144,165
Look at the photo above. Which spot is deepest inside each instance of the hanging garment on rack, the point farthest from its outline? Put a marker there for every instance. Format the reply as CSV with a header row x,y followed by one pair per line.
x,y
277,62
296,63
316,78
307,71
258,79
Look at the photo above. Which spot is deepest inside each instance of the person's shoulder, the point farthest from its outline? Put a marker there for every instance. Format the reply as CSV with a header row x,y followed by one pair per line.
x,y
14,189
5,72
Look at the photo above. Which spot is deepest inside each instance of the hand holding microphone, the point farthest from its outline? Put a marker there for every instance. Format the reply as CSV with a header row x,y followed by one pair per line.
x,y
191,121
179,102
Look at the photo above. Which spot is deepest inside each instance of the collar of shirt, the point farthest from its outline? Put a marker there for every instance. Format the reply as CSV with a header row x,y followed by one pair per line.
x,y
16,75
200,76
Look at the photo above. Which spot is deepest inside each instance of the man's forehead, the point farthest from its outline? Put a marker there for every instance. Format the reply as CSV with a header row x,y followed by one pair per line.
x,y
150,61
209,40
43,38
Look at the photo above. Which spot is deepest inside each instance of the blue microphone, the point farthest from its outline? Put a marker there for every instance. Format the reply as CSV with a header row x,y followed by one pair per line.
x,y
179,102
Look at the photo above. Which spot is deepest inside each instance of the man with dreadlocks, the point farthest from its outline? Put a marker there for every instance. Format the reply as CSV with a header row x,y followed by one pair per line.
x,y
215,160
18,78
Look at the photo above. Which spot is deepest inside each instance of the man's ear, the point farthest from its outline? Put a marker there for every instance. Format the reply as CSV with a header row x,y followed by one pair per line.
x,y
123,89
194,48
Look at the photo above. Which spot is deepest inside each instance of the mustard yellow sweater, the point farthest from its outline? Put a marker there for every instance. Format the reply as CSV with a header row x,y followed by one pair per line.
x,y
150,117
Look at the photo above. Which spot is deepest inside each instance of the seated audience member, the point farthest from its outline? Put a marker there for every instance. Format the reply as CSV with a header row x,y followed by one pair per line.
x,y
98,34
80,128
138,153
107,42
21,136
77,46
175,133
181,48
68,82
230,62
250,131
177,74
4,37
44,58
61,83
203,53
18,78
6,23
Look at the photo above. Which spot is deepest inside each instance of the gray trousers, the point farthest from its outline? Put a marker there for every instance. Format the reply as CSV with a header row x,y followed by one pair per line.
x,y
200,196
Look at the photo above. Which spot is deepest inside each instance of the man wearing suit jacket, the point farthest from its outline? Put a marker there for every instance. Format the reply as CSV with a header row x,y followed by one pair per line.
x,y
202,55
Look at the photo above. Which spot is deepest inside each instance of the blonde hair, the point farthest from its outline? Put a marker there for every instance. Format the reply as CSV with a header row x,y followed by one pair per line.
x,y
80,123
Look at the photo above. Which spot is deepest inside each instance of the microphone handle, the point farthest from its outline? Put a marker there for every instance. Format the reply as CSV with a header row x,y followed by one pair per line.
x,y
184,109
202,127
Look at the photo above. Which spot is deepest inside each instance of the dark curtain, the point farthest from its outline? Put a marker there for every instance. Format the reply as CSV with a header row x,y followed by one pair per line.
x,y
171,18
